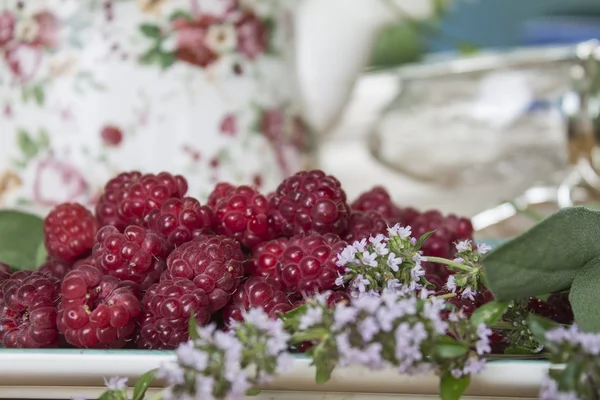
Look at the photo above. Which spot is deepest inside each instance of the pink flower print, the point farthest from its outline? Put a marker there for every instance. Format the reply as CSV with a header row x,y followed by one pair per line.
x,y
229,125
191,40
111,135
272,125
7,27
253,35
48,27
23,60
57,182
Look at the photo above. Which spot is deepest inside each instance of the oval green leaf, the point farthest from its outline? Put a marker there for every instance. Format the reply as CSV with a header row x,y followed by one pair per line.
x,y
539,326
446,347
452,388
21,236
143,383
489,313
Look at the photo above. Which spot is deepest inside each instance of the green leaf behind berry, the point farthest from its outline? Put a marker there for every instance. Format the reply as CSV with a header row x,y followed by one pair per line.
x,y
143,383
452,388
21,236
546,258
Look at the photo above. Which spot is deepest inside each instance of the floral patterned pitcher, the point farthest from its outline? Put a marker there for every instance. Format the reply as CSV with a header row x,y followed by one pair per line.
x,y
91,88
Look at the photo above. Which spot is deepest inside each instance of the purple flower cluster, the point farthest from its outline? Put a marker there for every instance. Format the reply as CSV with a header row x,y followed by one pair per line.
x,y
220,364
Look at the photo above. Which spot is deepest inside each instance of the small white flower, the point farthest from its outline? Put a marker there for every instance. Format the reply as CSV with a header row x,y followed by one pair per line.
x,y
360,282
339,281
419,258
400,231
464,245
459,260
417,272
393,262
115,383
468,293
311,317
346,256
221,38
483,248
369,259
451,284
360,246
172,373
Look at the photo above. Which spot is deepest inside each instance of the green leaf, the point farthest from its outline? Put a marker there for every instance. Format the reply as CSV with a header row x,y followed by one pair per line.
x,y
43,139
452,388
585,297
26,144
396,44
150,30
21,235
149,57
539,326
143,383
519,350
489,313
546,258
446,347
570,377
41,255
166,60
193,328
423,239
253,392
323,362
291,319
180,14
38,95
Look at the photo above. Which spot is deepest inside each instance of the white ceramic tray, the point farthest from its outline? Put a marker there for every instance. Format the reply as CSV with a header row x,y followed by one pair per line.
x,y
52,374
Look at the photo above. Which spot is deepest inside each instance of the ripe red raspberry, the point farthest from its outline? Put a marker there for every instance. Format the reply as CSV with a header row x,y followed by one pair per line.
x,y
167,308
137,254
181,220
257,292
467,305
243,215
364,224
28,310
130,196
69,231
97,311
557,308
309,201
377,199
213,263
308,265
55,268
265,257
406,216
220,191
5,271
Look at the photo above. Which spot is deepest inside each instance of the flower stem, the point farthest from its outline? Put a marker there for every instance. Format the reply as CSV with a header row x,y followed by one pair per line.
x,y
445,296
452,264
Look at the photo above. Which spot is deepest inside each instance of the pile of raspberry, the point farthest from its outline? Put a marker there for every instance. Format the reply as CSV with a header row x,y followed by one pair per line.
x,y
132,271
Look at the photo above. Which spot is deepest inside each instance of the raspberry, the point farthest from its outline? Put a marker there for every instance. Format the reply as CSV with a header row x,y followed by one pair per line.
x,y
130,196
181,220
364,224
309,202
257,292
69,231
556,308
167,308
377,199
5,271
243,215
220,191
265,258
97,311
28,310
213,263
467,305
137,254
308,265
406,216
55,268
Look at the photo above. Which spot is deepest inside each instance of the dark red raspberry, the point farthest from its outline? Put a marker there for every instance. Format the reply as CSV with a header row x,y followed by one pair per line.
x,y
97,311
167,308
308,265
406,216
337,297
556,308
181,220
467,305
309,201
213,263
5,271
55,268
28,310
265,258
243,215
220,191
257,292
130,196
137,254
377,199
69,231
364,224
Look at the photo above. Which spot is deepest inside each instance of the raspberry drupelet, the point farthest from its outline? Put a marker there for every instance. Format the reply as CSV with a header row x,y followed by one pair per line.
x,y
264,261
309,202
364,224
377,199
69,231
220,191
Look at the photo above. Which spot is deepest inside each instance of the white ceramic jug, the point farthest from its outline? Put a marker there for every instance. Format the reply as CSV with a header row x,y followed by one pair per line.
x,y
217,90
